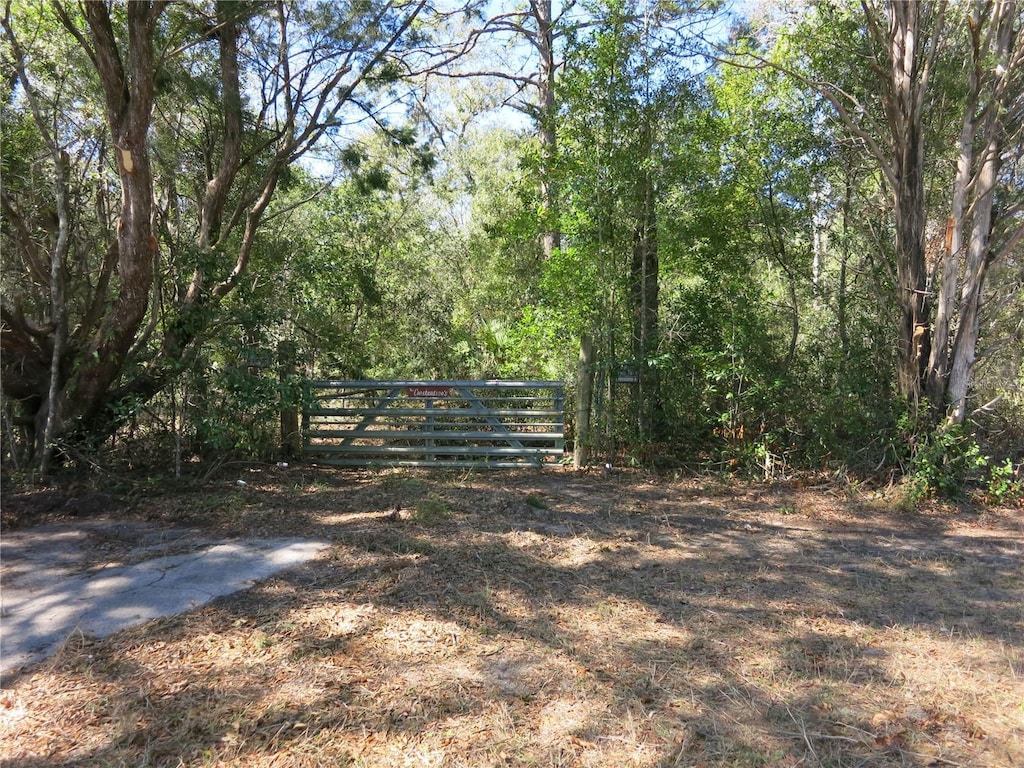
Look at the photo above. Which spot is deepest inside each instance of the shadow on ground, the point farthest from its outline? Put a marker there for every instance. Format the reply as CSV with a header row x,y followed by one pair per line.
x,y
542,619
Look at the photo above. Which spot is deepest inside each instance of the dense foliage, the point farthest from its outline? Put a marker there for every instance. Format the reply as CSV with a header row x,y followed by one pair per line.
x,y
798,234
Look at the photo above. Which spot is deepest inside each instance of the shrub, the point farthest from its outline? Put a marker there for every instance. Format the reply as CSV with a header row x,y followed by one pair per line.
x,y
1004,486
943,463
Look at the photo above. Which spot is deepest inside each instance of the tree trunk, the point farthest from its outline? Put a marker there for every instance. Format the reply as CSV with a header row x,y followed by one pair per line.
x,y
584,396
291,436
844,260
904,105
58,312
977,263
219,185
1007,54
129,89
936,380
49,403
911,283
644,298
985,140
551,237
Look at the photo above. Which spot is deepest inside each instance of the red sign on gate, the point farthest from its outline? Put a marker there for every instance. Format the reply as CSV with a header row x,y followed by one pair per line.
x,y
428,391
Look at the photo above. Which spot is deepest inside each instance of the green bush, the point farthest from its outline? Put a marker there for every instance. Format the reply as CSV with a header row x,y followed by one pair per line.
x,y
943,464
1003,486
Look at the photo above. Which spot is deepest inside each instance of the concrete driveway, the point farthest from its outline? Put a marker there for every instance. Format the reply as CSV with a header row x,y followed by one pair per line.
x,y
100,576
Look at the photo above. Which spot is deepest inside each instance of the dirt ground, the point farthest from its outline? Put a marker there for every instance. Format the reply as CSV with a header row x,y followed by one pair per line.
x,y
550,619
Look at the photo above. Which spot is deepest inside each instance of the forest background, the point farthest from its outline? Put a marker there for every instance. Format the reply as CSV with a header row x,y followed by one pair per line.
x,y
791,232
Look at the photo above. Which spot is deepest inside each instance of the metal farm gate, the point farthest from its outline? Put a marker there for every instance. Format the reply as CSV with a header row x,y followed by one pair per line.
x,y
486,424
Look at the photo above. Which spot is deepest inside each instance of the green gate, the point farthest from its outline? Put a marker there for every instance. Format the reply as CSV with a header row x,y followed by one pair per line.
x,y
486,424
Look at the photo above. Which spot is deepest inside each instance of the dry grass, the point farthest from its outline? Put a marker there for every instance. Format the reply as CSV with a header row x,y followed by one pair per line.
x,y
559,620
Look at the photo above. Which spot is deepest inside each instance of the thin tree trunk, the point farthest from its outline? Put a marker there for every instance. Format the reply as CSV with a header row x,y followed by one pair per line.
x,y
58,311
217,188
644,285
841,300
584,395
937,379
1007,53
551,237
51,410
965,344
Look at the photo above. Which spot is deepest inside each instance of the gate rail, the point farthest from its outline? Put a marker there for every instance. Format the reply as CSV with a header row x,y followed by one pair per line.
x,y
486,424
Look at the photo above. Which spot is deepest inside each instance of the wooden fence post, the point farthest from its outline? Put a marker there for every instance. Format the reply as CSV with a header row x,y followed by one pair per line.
x,y
291,437
584,390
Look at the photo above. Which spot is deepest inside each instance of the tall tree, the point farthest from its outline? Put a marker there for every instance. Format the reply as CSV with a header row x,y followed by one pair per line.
x,y
537,28
204,108
624,92
944,80
986,218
